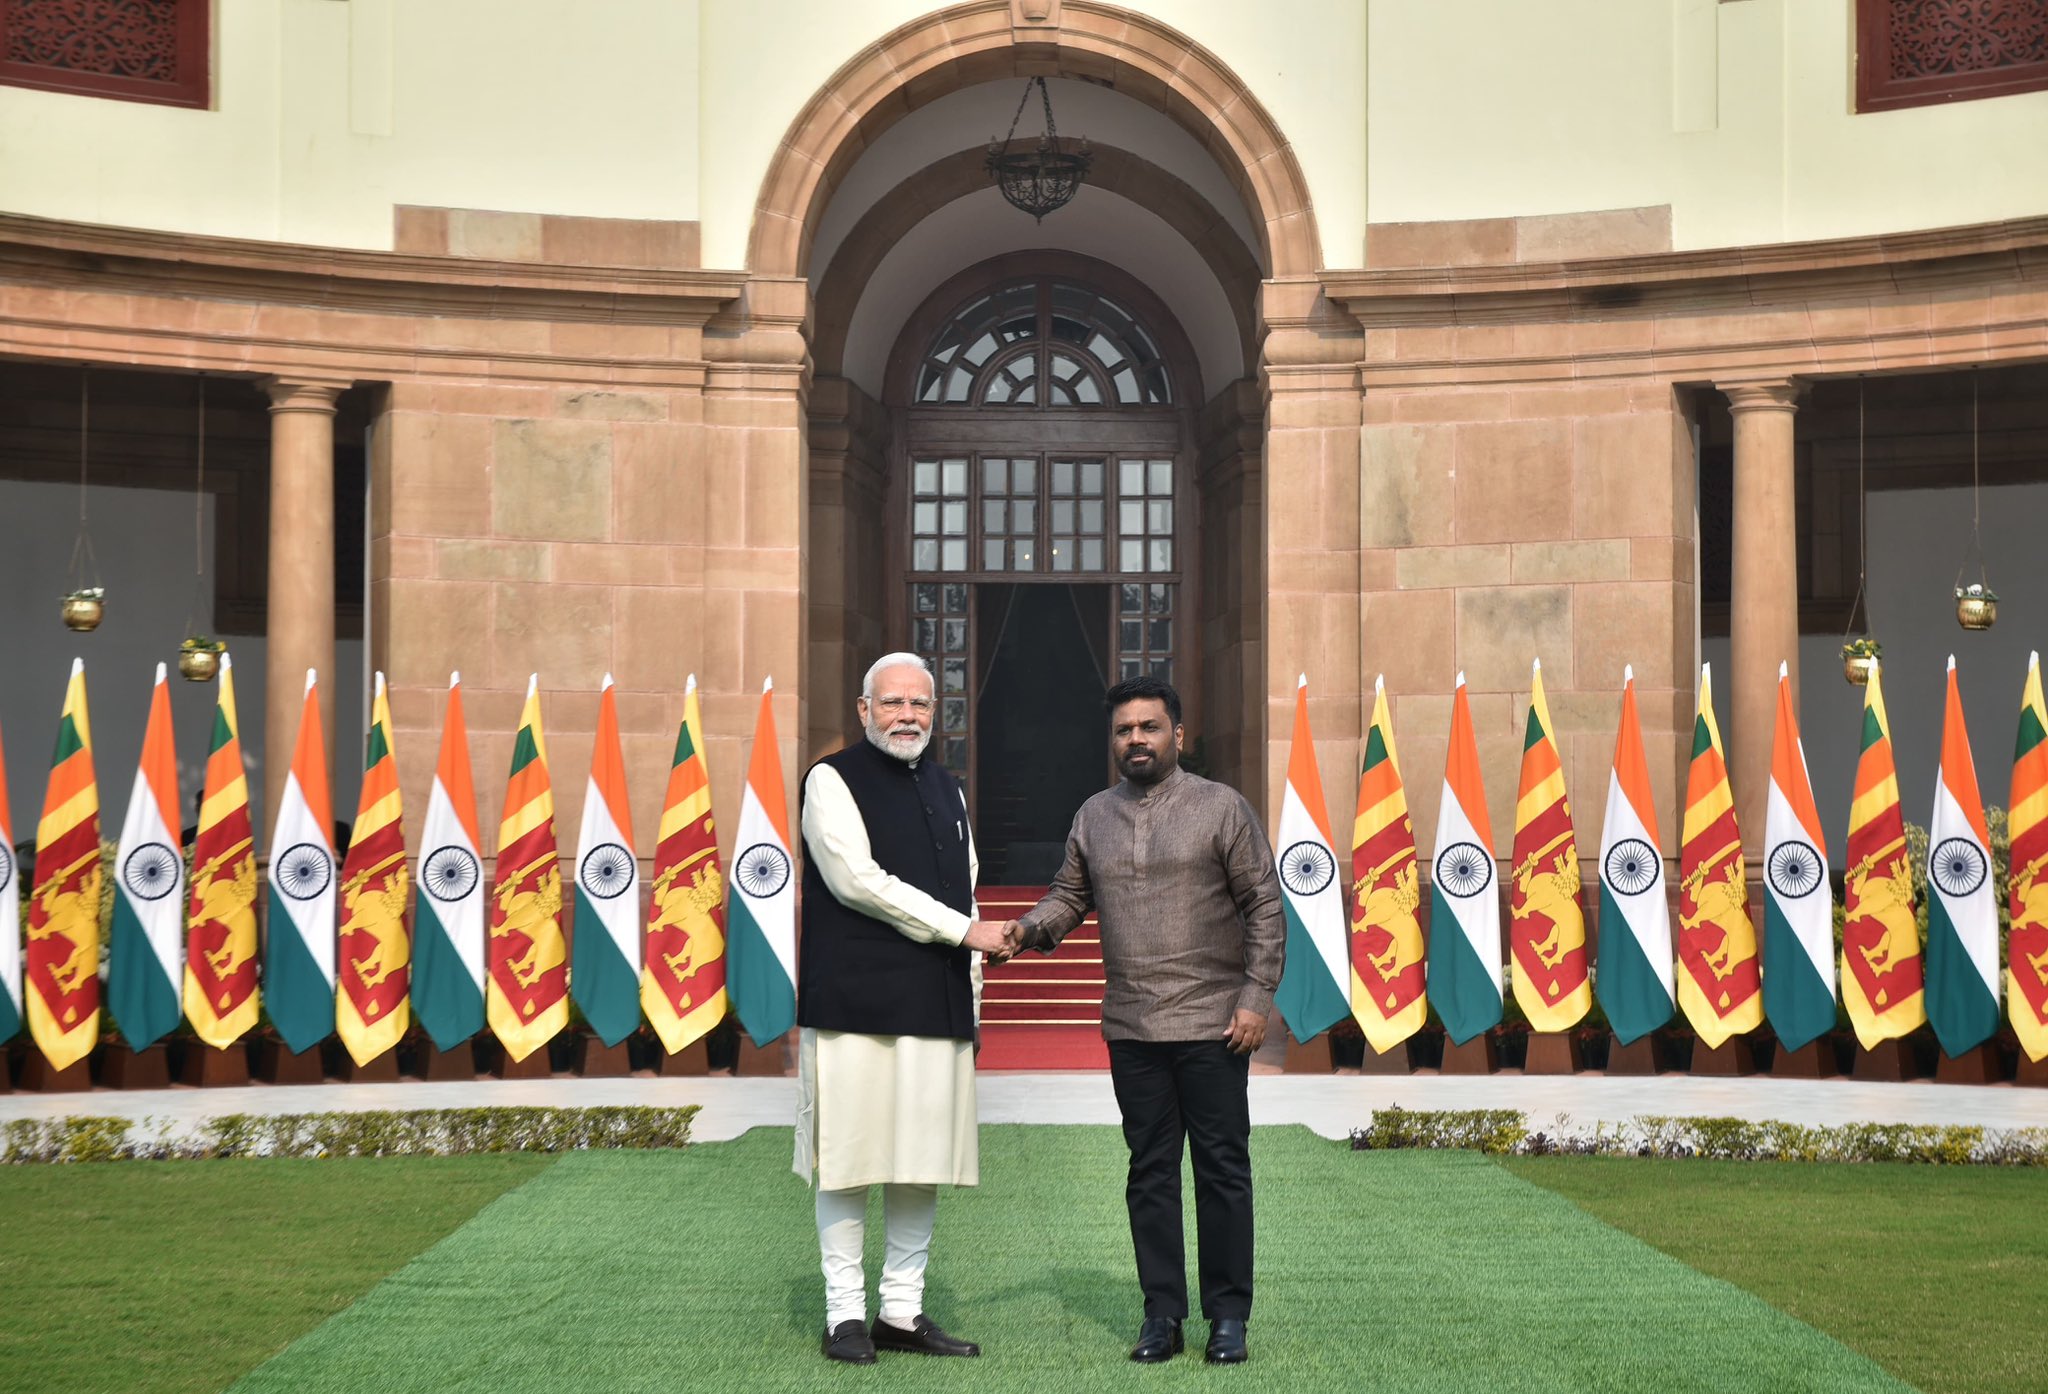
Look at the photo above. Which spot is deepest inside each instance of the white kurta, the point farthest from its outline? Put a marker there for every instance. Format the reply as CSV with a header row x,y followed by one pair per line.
x,y
878,1109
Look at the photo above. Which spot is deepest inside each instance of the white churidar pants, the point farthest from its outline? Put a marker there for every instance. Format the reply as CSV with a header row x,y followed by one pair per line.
x,y
907,1212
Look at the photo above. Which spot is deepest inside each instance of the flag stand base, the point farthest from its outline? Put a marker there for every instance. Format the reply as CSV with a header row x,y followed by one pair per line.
x,y
535,1066
1888,1063
1638,1057
381,1070
433,1065
1393,1062
1553,1053
124,1068
208,1068
37,1076
1475,1057
2032,1073
277,1065
1979,1066
600,1061
692,1059
1732,1058
1307,1058
768,1060
1807,1062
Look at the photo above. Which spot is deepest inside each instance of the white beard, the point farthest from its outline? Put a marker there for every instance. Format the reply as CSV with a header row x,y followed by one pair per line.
x,y
899,748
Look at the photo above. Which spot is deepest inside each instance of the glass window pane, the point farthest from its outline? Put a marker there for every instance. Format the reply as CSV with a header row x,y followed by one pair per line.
x,y
955,479
1087,391
955,634
954,557
1063,554
1162,477
992,554
1131,635
1131,556
1161,637
1063,515
956,675
1131,598
927,640
1126,385
1130,477
958,384
956,713
1162,669
992,516
1131,667
924,518
998,391
1023,476
1022,553
1091,515
955,519
977,352
1027,395
1091,477
956,598
925,474
924,555
1024,516
995,476
1091,554
1130,517
1159,516
1162,554
1063,476
926,595
1161,597
956,755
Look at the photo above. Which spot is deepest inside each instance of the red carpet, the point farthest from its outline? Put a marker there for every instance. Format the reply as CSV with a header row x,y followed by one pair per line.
x,y
1038,1011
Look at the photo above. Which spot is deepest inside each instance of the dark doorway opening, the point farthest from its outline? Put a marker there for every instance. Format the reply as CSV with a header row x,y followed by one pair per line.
x,y
1041,748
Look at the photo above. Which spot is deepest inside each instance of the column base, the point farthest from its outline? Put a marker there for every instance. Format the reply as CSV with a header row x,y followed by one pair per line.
x,y
1553,1053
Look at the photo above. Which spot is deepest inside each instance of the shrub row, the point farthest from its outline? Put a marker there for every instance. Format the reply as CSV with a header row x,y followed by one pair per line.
x,y
1506,1131
443,1132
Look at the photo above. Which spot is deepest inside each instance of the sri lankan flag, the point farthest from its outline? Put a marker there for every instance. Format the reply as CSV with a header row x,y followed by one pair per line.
x,y
526,997
1547,924
1882,982
1720,985
10,919
682,986
221,998
1386,938
64,914
2026,973
374,966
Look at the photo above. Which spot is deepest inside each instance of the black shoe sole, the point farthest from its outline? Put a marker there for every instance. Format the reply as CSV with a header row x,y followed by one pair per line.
x,y
1179,1345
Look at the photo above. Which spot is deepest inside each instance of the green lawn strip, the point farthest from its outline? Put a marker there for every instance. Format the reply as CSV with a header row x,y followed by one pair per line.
x,y
699,1270
1940,1274
175,1276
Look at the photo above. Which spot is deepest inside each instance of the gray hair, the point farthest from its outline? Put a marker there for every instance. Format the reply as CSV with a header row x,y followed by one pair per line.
x,y
894,660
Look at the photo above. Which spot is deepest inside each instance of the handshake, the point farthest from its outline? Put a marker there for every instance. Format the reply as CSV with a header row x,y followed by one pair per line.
x,y
1001,940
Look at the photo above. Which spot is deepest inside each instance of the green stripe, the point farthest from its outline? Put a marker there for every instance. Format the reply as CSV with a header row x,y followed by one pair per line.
x,y
1630,991
144,1002
222,732
603,985
762,995
1962,1011
377,749
1797,1000
1460,988
2031,732
1307,999
1872,732
525,750
1702,742
68,743
685,748
295,992
1532,734
10,1016
444,997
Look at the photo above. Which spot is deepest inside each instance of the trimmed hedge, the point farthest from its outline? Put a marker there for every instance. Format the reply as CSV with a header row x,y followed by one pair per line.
x,y
442,1132
1506,1131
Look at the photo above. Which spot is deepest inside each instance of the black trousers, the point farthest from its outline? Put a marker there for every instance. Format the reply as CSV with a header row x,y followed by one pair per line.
x,y
1170,1091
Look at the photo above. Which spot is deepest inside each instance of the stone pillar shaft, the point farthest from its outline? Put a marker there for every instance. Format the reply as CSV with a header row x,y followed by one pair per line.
x,y
299,633
1763,622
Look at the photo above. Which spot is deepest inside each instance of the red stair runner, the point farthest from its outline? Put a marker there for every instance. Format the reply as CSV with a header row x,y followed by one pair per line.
x,y
1042,1011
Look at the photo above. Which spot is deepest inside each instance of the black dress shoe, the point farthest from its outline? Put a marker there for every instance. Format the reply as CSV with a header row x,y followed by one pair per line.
x,y
849,1341
923,1338
1158,1339
1226,1342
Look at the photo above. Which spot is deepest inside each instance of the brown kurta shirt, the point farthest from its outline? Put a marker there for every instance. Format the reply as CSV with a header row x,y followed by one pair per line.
x,y
1182,882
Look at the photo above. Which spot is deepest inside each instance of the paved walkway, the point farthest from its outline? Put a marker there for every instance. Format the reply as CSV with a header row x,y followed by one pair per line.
x,y
1331,1105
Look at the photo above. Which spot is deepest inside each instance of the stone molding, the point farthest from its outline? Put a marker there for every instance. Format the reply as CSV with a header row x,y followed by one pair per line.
x,y
301,392
1782,395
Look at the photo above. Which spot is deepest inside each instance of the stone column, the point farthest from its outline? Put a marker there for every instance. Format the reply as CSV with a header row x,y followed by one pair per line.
x,y
299,633
1763,623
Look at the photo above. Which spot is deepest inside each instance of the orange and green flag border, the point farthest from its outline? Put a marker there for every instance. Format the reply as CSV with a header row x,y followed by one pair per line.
x,y
1714,921
1546,935
61,978
686,912
222,995
373,933
1386,892
2026,971
526,1011
1883,987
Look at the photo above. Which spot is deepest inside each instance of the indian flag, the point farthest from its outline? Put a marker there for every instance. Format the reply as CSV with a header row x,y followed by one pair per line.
x,y
299,968
604,967
1386,938
682,986
1720,986
64,913
763,908
1633,978
1799,909
221,995
1546,923
146,966
1962,907
448,931
526,995
1314,985
1881,961
10,918
1464,897
2026,998
372,974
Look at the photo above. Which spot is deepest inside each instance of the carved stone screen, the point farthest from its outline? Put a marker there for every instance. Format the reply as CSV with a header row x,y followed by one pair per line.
x,y
134,50
1918,52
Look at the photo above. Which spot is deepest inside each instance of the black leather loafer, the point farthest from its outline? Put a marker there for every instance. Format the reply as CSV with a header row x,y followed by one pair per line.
x,y
849,1341
923,1338
1226,1342
1158,1339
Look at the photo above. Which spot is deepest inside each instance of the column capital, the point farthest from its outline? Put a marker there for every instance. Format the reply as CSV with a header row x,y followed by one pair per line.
x,y
315,392
1764,394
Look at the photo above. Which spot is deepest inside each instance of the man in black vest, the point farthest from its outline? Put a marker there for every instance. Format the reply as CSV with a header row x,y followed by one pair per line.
x,y
888,989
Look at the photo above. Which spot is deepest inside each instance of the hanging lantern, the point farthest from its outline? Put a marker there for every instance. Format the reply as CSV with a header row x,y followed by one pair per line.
x,y
1042,178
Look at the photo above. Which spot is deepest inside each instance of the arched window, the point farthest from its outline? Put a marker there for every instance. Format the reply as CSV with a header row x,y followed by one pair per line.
x,y
1043,343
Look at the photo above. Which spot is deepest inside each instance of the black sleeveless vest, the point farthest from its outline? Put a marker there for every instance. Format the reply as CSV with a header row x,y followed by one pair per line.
x,y
856,973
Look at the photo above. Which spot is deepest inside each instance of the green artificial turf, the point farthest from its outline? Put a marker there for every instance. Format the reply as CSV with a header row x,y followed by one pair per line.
x,y
698,1270
1938,1273
179,1276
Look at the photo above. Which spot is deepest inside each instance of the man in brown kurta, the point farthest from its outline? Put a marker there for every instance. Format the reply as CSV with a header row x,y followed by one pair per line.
x,y
1193,936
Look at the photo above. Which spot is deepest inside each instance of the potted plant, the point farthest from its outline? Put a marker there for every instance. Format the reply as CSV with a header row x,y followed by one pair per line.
x,y
199,658
84,608
1859,657
1976,606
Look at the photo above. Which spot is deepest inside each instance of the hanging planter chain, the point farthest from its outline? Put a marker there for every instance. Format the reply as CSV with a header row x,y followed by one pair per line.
x,y
1977,603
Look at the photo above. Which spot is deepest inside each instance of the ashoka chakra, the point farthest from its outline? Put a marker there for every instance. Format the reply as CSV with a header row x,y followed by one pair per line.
x,y
1307,867
1631,866
607,871
762,870
1957,866
449,873
1464,869
303,871
6,867
150,873
1794,869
